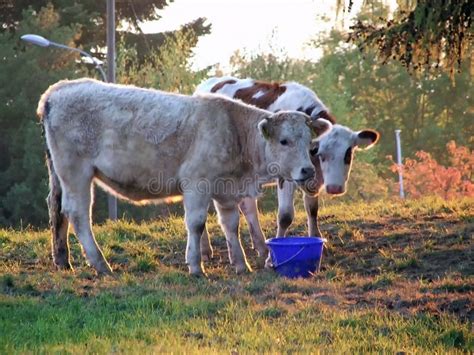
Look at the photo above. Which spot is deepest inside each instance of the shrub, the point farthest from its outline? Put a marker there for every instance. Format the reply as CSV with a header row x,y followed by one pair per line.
x,y
423,175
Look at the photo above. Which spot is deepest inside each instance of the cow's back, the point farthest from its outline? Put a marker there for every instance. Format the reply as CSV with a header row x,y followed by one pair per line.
x,y
271,96
151,113
136,137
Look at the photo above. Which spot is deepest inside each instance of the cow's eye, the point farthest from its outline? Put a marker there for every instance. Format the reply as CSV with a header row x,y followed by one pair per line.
x,y
314,150
284,142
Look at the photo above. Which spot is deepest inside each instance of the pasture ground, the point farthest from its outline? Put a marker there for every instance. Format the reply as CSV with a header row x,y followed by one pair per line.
x,y
396,277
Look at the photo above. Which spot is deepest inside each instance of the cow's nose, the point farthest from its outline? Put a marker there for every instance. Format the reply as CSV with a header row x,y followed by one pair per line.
x,y
334,189
307,173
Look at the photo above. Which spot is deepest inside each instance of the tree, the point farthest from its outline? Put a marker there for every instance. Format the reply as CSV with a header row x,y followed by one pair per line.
x,y
23,180
423,34
90,15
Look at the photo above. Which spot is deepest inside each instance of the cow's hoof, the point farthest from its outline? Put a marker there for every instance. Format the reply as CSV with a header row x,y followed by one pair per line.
x,y
196,271
268,263
261,261
64,266
199,275
104,269
243,269
105,272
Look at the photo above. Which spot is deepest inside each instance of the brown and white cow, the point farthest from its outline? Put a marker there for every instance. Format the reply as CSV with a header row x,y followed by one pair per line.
x,y
331,154
145,145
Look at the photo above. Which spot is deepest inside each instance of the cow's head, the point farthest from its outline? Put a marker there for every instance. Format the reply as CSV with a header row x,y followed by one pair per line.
x,y
288,136
335,151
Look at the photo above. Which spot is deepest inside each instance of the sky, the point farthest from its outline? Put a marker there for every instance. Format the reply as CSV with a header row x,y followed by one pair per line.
x,y
253,26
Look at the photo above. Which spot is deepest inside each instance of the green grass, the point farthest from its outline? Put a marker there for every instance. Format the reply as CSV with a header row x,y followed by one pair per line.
x,y
396,277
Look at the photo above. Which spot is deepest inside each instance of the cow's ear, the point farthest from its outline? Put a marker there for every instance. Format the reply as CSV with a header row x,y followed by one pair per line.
x,y
319,126
323,114
264,127
367,138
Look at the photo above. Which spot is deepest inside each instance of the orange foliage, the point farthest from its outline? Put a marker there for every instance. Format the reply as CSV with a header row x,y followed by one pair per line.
x,y
424,176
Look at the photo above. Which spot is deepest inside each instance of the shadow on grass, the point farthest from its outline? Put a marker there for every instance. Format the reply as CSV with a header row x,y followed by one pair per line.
x,y
410,248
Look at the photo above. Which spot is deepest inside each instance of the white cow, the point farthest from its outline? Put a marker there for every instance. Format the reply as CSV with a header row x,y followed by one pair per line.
x,y
331,154
145,145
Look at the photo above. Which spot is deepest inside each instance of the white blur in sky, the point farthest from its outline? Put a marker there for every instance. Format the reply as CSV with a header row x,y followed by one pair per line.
x,y
253,26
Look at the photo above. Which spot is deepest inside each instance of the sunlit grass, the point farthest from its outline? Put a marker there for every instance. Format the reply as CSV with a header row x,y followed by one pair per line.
x,y
396,277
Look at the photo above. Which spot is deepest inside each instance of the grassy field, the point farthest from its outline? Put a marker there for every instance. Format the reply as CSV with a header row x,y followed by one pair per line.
x,y
396,277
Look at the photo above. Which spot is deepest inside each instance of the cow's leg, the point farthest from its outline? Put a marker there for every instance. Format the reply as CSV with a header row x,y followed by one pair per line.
x,y
58,221
311,206
229,221
249,208
195,215
286,209
77,206
206,248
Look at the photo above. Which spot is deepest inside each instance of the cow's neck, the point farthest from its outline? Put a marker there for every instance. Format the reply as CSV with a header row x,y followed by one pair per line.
x,y
260,162
253,146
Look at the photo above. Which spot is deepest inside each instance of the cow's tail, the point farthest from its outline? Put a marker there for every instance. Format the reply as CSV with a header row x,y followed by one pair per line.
x,y
57,220
54,196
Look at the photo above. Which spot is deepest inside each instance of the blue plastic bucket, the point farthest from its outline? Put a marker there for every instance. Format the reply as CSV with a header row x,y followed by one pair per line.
x,y
296,256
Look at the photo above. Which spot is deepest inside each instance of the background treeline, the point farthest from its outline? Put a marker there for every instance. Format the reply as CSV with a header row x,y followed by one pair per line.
x,y
430,108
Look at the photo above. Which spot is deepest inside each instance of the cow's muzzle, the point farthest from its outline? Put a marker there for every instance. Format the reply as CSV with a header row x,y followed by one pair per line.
x,y
335,189
305,174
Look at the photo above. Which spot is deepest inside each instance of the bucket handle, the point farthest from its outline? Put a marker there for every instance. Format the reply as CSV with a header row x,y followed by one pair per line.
x,y
290,258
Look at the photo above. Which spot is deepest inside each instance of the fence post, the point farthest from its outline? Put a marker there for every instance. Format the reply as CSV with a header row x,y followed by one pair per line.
x,y
399,162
